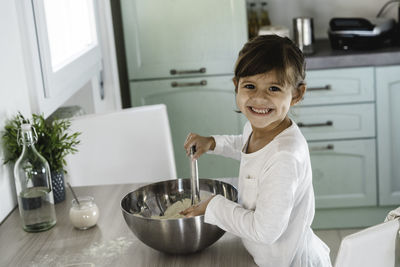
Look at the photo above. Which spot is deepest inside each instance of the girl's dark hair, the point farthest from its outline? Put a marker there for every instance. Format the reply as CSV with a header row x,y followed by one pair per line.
x,y
271,52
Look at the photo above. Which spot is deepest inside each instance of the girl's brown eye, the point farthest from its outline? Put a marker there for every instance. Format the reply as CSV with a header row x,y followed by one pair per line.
x,y
274,89
249,86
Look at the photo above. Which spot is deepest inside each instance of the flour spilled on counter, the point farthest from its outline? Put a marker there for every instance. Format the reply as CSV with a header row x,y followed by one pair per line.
x,y
59,261
109,249
173,211
98,254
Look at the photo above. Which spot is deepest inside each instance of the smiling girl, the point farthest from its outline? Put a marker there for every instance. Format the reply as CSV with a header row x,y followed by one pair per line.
x,y
276,197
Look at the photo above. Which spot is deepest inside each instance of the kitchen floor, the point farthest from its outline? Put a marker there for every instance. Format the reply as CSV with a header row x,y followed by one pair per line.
x,y
333,237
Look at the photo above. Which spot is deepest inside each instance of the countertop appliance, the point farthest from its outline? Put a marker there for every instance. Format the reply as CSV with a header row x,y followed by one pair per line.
x,y
360,33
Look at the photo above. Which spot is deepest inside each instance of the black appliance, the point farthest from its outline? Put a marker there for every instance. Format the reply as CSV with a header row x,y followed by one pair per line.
x,y
361,33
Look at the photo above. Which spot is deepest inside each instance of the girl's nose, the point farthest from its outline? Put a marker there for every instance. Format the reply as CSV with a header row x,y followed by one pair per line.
x,y
262,94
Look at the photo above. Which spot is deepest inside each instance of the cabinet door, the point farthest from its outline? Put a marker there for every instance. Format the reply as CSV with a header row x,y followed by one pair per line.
x,y
344,173
339,86
186,36
388,122
335,121
199,105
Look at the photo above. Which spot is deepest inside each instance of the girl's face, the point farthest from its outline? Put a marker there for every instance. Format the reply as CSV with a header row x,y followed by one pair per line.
x,y
263,100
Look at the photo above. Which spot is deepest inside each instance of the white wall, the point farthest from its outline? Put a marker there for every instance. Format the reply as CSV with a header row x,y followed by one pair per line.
x,y
282,11
13,92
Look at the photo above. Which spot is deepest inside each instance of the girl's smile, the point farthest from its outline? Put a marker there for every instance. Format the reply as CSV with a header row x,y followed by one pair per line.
x,y
260,111
263,100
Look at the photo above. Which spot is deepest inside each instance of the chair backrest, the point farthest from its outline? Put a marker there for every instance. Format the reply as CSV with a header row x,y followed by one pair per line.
x,y
127,146
374,246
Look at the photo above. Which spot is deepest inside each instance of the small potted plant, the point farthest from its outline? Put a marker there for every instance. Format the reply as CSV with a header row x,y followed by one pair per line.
x,y
54,143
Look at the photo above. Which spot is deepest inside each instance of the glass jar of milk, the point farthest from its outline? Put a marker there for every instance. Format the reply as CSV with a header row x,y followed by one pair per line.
x,y
84,214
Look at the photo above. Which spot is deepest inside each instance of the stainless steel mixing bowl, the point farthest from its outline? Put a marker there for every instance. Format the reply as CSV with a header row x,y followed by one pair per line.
x,y
176,236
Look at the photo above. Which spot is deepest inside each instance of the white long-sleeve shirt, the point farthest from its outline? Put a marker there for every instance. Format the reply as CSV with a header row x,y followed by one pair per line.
x,y
276,201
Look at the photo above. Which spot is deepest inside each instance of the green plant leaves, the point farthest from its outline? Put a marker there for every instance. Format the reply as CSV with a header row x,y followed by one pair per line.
x,y
54,141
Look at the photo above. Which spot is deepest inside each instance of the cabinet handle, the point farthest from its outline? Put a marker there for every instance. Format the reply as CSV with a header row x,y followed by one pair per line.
x,y
326,87
322,148
201,83
328,123
175,72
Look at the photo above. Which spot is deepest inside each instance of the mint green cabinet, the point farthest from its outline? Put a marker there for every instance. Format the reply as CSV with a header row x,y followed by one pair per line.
x,y
337,118
344,173
356,157
172,38
336,121
182,53
339,86
388,118
202,105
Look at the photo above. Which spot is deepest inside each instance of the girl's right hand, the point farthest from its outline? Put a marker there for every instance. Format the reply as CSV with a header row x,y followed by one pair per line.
x,y
202,144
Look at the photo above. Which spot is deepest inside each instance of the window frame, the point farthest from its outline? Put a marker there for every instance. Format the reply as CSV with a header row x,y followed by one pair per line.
x,y
49,89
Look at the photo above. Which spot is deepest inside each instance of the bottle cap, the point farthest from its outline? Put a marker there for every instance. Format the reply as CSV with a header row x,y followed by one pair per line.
x,y
26,127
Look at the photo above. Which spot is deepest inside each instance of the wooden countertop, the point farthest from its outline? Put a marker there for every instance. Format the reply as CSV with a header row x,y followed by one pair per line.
x,y
110,243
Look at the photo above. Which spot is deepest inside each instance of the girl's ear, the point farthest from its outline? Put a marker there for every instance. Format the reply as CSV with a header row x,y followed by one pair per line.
x,y
235,82
298,95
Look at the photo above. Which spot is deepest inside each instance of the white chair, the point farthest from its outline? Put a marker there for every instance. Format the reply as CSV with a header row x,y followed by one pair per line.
x,y
131,145
376,246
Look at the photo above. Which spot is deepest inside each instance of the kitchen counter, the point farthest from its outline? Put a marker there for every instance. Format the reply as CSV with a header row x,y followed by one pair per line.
x,y
325,57
110,243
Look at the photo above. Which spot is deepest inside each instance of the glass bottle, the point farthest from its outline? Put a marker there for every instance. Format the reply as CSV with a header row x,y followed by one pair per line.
x,y
264,17
33,185
252,21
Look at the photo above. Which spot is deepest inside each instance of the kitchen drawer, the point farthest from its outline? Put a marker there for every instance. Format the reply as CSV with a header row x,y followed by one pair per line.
x,y
337,86
335,122
146,92
344,173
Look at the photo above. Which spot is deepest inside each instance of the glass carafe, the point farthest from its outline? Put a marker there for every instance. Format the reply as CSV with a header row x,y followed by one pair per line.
x,y
33,185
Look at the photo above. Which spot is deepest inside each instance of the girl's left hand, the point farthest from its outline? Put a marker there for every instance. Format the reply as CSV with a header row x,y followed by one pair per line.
x,y
198,209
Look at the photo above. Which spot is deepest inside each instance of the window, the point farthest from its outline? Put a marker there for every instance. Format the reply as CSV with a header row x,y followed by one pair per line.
x,y
71,30
61,46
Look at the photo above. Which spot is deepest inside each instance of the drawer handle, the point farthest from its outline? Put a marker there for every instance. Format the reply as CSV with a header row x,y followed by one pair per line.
x,y
322,148
201,83
175,72
326,87
328,123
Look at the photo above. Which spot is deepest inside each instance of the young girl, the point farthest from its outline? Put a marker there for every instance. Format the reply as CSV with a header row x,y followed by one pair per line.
x,y
275,182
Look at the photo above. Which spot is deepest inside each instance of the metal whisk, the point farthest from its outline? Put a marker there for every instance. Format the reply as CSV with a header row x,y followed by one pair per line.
x,y
194,177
